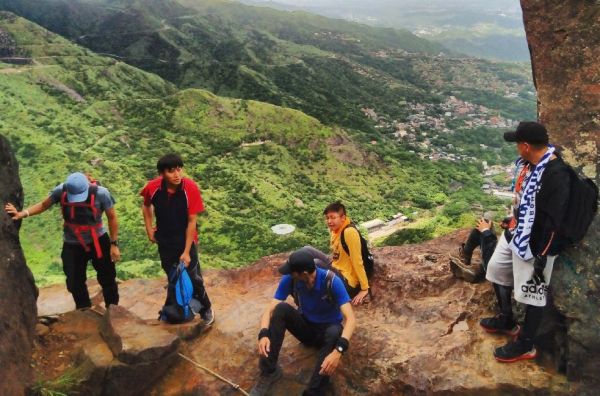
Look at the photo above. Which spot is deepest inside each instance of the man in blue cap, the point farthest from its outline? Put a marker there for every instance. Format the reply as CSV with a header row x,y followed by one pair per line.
x,y
323,303
85,237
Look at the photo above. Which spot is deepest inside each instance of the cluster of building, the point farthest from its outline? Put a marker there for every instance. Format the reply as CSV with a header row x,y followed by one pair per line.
x,y
378,224
426,121
491,187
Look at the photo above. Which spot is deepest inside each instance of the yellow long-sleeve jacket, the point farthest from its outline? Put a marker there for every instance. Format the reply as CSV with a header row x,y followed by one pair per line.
x,y
350,265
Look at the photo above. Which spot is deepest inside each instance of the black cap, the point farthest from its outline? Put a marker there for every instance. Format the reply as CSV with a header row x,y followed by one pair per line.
x,y
528,132
299,261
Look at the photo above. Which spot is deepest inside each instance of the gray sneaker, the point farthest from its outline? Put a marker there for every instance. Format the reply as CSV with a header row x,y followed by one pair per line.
x,y
265,381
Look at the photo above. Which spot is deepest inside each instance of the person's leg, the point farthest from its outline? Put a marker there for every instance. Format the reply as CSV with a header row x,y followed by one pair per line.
x,y
327,338
500,273
106,272
505,319
533,319
75,259
488,244
528,292
472,242
284,317
321,259
522,347
197,280
169,258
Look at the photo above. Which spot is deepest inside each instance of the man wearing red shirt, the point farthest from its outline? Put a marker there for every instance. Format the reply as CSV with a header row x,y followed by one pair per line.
x,y
176,201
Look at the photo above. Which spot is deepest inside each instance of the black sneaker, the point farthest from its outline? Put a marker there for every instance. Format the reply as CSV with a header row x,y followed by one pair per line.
x,y
265,381
208,316
498,324
515,351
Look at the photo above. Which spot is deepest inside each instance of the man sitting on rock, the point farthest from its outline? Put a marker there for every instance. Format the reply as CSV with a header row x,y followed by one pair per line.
x,y
85,237
525,254
322,303
481,236
347,260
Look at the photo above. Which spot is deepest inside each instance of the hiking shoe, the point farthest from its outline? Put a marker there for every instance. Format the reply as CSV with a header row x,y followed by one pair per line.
x,y
208,316
515,351
498,324
470,273
265,381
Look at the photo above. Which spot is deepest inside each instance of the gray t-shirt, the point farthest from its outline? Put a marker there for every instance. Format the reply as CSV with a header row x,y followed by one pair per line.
x,y
103,202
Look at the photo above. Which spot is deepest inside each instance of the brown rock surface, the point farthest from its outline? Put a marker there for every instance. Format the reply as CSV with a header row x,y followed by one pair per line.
x,y
132,341
420,335
115,354
564,38
17,289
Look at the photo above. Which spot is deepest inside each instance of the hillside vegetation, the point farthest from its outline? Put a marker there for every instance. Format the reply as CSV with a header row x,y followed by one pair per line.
x,y
326,68
66,108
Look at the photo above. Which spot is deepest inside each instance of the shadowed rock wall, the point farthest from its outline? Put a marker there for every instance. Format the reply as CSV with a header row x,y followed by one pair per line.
x,y
564,40
18,294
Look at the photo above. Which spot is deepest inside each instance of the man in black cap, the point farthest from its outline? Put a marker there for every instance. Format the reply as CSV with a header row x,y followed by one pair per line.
x,y
322,303
525,254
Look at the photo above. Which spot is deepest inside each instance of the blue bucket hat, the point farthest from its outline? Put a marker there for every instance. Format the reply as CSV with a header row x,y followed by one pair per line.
x,y
77,185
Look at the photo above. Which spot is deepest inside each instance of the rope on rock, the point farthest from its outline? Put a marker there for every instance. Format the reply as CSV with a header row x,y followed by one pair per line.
x,y
234,386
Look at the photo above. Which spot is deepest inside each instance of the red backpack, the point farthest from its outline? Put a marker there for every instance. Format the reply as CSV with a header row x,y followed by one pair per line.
x,y
81,217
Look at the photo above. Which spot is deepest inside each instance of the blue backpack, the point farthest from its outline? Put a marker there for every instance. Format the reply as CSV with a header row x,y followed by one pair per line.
x,y
179,296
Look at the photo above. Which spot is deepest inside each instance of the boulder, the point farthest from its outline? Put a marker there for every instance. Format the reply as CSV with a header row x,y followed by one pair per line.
x,y
132,341
112,354
18,294
564,40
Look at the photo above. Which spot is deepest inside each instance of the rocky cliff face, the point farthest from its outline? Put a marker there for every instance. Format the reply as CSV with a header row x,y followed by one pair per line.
x,y
564,39
18,293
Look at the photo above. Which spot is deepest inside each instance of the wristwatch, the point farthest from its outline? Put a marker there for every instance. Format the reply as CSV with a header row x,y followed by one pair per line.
x,y
342,345
115,242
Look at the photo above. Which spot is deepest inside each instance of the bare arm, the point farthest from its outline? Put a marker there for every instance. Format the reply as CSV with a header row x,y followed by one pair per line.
x,y
264,344
113,224
148,220
189,239
332,361
33,210
349,321
113,230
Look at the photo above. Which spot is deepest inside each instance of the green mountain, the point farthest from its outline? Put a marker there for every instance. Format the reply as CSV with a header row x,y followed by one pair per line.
x,y
327,68
491,29
66,108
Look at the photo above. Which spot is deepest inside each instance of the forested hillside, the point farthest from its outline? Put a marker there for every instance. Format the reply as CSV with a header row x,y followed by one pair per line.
x,y
326,68
66,108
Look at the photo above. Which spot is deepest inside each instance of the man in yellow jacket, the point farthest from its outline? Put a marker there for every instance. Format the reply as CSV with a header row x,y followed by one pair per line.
x,y
349,265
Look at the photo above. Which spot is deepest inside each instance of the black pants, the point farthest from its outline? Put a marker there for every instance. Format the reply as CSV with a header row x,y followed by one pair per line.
x,y
169,257
323,336
485,241
75,260
323,261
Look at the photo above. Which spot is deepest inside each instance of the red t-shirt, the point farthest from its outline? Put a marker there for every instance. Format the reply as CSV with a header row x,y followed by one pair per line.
x,y
192,192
